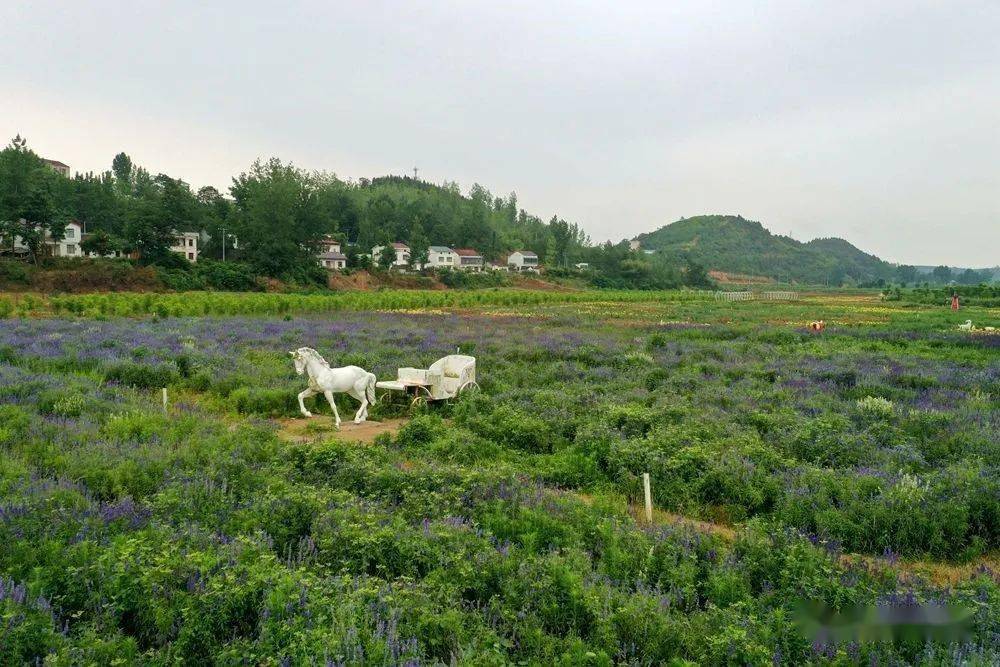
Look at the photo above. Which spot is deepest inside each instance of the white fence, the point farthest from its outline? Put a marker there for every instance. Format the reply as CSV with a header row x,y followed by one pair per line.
x,y
779,296
750,296
734,296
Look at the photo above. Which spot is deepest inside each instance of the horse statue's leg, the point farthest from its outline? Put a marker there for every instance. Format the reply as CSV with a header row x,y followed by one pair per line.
x,y
362,412
302,406
329,397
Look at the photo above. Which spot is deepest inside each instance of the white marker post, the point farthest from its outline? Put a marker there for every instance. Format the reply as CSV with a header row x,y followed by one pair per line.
x,y
648,497
164,399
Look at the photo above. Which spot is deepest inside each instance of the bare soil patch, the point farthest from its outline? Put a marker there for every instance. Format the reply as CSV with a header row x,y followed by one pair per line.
x,y
364,281
322,427
525,282
726,278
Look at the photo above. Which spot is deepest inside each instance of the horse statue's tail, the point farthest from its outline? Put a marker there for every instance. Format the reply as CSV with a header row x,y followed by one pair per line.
x,y
370,388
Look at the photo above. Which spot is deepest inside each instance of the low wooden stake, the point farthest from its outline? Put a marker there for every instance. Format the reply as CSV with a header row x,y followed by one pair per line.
x,y
164,399
648,497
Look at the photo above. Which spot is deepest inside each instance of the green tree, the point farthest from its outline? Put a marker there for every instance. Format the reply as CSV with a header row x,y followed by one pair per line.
x,y
942,274
906,274
550,258
101,243
215,216
972,277
166,206
695,275
419,247
27,206
280,220
124,174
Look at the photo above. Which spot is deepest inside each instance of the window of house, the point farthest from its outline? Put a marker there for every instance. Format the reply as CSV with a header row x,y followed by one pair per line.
x,y
70,232
191,256
71,249
190,243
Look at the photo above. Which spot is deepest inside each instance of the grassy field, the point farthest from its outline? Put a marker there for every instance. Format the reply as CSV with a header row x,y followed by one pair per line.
x,y
855,467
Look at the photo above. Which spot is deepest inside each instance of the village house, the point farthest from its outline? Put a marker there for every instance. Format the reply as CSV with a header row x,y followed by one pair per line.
x,y
442,257
402,254
60,168
469,260
499,265
523,261
329,255
186,243
69,246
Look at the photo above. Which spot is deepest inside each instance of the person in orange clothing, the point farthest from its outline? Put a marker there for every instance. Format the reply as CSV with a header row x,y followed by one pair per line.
x,y
954,300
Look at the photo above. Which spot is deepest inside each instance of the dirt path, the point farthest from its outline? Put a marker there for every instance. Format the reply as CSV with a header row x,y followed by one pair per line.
x,y
322,426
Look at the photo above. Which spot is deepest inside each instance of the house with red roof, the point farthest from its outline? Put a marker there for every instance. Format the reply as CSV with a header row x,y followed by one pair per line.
x,y
469,260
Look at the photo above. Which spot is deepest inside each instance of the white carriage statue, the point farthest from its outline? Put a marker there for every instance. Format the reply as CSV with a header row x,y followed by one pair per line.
x,y
446,378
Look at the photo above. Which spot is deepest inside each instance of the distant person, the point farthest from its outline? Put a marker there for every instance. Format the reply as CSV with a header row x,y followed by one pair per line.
x,y
954,300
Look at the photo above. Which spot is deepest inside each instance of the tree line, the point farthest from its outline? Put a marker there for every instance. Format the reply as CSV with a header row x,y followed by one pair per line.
x,y
275,215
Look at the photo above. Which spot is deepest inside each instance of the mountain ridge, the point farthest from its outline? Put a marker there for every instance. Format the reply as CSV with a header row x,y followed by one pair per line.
x,y
735,244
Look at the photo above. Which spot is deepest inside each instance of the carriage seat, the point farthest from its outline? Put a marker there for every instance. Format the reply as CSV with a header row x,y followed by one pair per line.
x,y
457,370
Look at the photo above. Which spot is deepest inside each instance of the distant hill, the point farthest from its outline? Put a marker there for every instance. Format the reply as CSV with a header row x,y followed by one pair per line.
x,y
993,271
733,244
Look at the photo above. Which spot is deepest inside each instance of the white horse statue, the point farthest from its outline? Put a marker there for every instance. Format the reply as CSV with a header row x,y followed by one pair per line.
x,y
353,380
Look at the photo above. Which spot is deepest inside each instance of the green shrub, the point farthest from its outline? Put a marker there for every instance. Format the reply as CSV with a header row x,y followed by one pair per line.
x,y
141,376
267,402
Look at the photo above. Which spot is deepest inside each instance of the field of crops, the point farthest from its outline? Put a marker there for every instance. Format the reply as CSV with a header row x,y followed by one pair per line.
x,y
860,466
191,304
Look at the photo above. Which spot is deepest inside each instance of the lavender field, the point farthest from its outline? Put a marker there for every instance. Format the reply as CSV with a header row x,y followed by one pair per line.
x,y
855,467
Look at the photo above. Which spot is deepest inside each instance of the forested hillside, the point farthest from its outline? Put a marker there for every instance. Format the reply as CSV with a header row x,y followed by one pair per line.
x,y
400,208
734,244
274,216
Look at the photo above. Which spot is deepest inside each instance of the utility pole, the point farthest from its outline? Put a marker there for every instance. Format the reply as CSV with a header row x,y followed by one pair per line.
x,y
415,170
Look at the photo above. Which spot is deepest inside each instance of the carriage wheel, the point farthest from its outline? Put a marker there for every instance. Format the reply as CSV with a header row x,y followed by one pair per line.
x,y
468,386
419,402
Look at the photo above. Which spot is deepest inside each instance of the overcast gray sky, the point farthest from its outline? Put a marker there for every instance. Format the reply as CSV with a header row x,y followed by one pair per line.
x,y
875,121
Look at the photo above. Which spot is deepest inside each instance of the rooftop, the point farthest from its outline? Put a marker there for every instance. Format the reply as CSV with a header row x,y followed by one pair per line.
x,y
440,248
467,252
332,255
526,253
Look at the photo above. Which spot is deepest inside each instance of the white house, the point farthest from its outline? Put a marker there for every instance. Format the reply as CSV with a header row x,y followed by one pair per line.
x,y
469,259
186,243
332,260
442,257
523,260
329,255
329,244
402,254
69,246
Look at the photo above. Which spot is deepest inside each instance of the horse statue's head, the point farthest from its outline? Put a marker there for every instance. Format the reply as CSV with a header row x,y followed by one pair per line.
x,y
302,356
